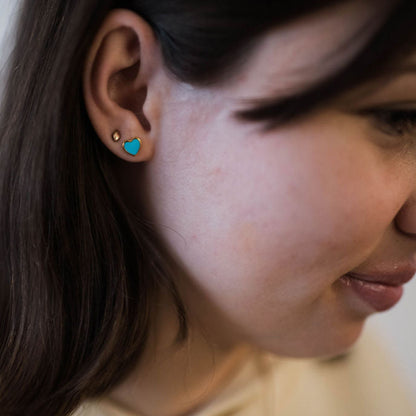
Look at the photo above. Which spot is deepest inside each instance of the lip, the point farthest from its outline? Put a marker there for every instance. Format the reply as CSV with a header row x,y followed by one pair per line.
x,y
394,278
380,290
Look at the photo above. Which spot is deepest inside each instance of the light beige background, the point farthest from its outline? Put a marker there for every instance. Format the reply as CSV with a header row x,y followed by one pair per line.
x,y
396,327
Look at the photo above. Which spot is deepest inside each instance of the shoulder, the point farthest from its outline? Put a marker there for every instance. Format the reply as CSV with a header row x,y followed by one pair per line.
x,y
95,408
88,409
103,407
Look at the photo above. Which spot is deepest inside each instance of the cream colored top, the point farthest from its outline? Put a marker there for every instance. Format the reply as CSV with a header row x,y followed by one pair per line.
x,y
362,383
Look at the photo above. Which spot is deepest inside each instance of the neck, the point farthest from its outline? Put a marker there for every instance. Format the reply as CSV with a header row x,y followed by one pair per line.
x,y
171,379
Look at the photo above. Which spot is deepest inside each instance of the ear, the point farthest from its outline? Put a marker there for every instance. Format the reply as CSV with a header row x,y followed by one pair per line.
x,y
120,88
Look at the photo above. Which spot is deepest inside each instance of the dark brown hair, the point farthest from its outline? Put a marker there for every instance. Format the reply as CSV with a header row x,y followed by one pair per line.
x,y
80,270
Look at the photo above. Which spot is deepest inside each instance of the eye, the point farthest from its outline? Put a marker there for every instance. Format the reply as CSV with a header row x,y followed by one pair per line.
x,y
394,122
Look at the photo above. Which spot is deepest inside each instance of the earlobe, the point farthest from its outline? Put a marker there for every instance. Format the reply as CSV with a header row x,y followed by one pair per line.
x,y
119,87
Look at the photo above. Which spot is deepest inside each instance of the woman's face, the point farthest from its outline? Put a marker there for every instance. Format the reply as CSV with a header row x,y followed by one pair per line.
x,y
264,224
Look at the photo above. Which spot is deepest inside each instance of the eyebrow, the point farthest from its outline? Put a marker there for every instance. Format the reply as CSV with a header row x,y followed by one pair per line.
x,y
283,109
383,81
404,70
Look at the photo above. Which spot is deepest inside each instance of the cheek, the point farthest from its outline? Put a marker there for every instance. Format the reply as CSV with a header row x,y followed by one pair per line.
x,y
280,210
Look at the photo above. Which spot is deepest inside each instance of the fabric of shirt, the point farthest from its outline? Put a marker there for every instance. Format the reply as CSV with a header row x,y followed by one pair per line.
x,y
360,383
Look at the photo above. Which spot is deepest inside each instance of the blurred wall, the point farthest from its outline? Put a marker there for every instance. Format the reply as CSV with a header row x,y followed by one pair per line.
x,y
396,327
8,10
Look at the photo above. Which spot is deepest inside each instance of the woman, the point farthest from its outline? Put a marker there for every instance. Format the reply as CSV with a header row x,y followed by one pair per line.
x,y
203,201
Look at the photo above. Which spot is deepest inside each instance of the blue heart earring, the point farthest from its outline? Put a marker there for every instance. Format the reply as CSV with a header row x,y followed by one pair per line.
x,y
132,147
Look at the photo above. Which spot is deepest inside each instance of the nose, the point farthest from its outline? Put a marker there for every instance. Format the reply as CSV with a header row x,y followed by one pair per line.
x,y
406,217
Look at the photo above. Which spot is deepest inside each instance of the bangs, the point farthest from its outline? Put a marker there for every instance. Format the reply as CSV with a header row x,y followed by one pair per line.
x,y
381,58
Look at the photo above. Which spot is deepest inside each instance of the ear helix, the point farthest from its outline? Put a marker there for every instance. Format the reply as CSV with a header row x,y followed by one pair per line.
x,y
132,146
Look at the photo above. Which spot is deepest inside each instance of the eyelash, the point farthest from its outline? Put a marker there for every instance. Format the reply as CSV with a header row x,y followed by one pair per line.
x,y
394,122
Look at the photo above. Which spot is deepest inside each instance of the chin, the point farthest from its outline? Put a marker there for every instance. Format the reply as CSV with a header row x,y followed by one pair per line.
x,y
326,346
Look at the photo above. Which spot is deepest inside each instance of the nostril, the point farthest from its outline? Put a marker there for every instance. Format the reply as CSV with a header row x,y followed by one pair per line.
x,y
407,228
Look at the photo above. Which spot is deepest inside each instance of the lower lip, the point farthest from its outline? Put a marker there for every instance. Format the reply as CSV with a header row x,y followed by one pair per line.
x,y
379,296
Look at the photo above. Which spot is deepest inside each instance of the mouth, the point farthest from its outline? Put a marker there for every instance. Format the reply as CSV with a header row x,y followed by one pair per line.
x,y
380,290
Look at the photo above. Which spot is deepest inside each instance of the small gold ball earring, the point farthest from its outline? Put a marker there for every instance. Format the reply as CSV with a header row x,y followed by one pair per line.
x,y
116,136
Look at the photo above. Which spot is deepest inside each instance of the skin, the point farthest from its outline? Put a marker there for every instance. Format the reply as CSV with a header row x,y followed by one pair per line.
x,y
261,225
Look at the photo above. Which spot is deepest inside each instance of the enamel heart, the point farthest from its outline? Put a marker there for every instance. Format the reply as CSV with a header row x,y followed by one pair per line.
x,y
132,146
